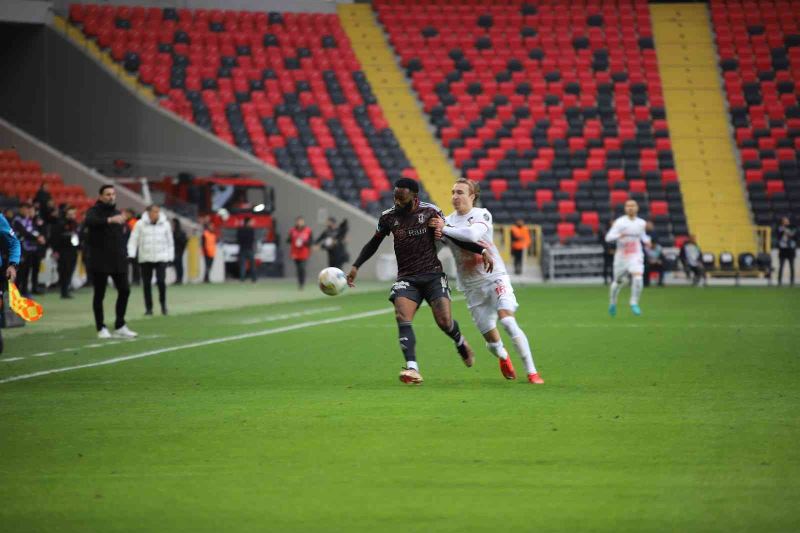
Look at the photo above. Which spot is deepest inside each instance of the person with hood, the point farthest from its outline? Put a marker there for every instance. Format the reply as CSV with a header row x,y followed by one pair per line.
x,y
152,245
107,257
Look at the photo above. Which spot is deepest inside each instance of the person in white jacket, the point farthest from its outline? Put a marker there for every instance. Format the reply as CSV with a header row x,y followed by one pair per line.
x,y
152,245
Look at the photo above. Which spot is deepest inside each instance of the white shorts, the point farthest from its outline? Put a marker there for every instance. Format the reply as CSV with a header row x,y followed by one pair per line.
x,y
628,265
485,300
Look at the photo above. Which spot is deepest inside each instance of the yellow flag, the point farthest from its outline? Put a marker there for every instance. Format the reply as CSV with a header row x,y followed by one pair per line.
x,y
26,308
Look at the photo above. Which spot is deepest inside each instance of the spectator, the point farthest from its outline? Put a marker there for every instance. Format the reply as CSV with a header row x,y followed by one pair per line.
x,y
152,245
692,259
331,241
66,243
787,245
179,240
209,248
108,257
654,259
12,251
43,196
40,222
609,249
130,221
520,242
300,239
246,239
30,240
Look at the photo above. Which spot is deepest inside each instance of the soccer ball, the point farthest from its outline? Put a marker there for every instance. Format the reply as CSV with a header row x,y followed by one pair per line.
x,y
332,281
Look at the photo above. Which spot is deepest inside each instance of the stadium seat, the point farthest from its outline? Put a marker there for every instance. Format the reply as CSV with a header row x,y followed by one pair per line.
x,y
286,89
540,101
761,76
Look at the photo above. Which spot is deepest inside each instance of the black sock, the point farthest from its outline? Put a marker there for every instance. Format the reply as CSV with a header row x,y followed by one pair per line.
x,y
455,334
408,341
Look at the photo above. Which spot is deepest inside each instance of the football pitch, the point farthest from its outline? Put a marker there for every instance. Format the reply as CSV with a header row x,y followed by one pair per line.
x,y
288,416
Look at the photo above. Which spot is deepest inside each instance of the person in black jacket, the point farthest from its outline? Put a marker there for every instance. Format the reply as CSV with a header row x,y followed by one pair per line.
x,y
246,239
787,245
66,243
332,241
108,256
179,239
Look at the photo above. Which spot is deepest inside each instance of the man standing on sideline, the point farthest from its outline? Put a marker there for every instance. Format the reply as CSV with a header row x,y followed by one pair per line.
x,y
66,243
787,245
11,250
30,239
108,257
300,239
209,248
692,259
151,244
179,240
520,242
329,241
246,239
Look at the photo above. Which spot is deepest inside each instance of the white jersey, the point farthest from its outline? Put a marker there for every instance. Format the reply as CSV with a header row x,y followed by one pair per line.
x,y
629,235
478,223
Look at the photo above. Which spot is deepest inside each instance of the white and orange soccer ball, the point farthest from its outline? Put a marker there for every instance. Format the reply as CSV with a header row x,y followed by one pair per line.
x,y
332,281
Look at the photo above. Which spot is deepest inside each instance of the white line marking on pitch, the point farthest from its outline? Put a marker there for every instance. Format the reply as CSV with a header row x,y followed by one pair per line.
x,y
9,359
198,344
284,316
42,354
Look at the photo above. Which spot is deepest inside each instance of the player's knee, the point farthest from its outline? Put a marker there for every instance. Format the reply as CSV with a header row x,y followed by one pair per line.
x,y
444,322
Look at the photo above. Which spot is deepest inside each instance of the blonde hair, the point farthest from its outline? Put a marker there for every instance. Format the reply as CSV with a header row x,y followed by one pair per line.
x,y
474,188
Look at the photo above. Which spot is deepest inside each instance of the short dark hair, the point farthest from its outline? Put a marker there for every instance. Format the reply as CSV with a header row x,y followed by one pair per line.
x,y
407,183
104,187
247,220
151,207
26,204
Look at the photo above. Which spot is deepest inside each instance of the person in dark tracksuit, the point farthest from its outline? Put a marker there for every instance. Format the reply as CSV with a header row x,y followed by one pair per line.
x,y
12,250
108,257
66,243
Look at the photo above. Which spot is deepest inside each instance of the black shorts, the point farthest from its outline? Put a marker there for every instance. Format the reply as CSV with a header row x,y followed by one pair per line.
x,y
429,287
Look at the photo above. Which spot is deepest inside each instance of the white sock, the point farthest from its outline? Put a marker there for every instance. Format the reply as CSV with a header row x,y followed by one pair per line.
x,y
636,289
498,349
412,365
520,342
616,286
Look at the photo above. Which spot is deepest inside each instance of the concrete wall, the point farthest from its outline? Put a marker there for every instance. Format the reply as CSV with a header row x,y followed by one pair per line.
x,y
69,100
306,6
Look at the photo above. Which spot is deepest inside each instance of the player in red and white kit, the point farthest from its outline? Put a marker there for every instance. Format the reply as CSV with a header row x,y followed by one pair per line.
x,y
629,232
420,275
489,294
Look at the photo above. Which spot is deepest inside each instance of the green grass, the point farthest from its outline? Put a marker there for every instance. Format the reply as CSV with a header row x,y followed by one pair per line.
x,y
685,419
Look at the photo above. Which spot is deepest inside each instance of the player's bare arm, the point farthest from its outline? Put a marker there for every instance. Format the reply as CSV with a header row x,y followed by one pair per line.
x,y
367,251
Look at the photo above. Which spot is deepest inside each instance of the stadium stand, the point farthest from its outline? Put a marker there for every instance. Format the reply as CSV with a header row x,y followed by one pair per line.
x,y
21,179
557,108
285,87
759,53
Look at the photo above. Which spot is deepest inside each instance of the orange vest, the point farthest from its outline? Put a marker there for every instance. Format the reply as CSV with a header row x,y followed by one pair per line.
x,y
520,237
209,243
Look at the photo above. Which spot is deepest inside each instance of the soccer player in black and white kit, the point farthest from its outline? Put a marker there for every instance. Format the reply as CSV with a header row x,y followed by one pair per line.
x,y
420,274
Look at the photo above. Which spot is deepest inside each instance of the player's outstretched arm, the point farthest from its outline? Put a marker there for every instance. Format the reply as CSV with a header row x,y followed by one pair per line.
x,y
367,251
613,233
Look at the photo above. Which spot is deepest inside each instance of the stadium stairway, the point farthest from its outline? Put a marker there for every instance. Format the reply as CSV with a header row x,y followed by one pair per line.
x,y
397,100
701,138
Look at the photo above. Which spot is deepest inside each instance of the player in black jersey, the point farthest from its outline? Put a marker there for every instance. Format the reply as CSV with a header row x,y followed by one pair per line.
x,y
419,272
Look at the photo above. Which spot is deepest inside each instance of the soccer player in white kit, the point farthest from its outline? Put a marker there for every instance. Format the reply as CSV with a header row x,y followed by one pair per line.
x,y
489,295
628,231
